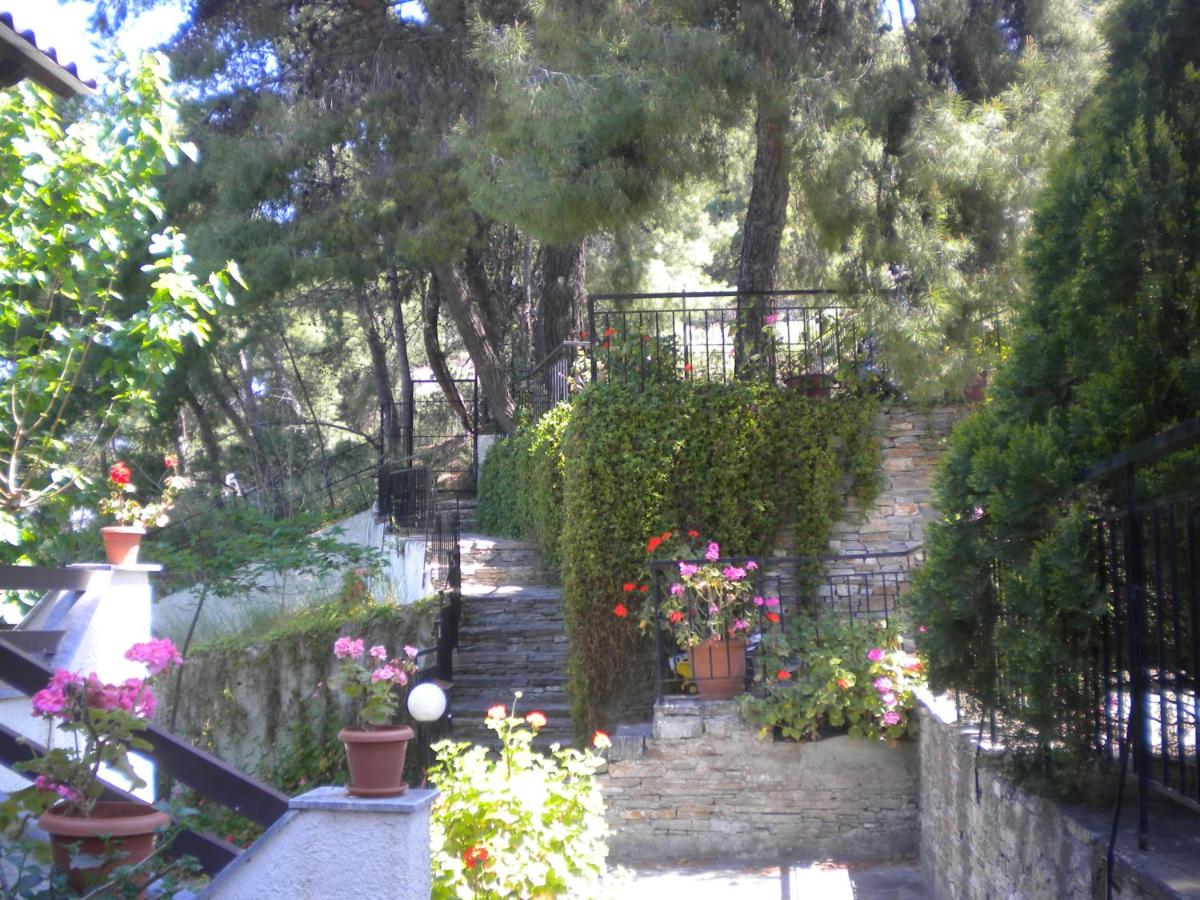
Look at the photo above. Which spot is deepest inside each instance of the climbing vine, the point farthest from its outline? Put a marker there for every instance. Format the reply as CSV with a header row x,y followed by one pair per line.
x,y
737,461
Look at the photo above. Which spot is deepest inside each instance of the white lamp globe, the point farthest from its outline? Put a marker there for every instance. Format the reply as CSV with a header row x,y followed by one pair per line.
x,y
426,702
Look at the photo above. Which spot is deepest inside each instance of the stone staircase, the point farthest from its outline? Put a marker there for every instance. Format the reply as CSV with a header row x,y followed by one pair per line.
x,y
512,638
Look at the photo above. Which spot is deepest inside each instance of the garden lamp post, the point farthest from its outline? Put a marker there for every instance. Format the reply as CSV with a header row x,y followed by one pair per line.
x,y
426,704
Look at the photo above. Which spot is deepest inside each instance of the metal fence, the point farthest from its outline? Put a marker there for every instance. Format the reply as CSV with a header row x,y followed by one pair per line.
x,y
852,586
814,339
1143,682
812,336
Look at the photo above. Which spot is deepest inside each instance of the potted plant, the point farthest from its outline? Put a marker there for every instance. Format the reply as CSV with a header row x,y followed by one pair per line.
x,y
375,749
123,540
709,611
103,722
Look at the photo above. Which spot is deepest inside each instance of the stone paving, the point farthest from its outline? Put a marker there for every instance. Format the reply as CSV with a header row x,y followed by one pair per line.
x,y
805,881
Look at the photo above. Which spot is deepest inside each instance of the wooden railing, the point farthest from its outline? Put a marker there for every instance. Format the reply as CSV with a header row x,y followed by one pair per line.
x,y
208,776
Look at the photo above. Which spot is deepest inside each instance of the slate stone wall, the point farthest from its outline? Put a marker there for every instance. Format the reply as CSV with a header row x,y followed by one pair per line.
x,y
1002,841
913,441
699,784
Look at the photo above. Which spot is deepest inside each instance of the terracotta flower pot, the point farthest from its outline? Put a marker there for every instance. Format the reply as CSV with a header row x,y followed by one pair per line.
x,y
123,833
121,543
376,760
977,392
812,384
719,668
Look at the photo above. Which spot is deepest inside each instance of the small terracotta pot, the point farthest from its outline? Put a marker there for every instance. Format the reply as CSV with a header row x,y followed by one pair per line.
x,y
122,542
123,833
977,392
376,760
812,384
719,668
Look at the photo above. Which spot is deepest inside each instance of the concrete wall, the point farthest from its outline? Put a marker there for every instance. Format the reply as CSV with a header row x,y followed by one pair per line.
x,y
702,785
403,580
330,845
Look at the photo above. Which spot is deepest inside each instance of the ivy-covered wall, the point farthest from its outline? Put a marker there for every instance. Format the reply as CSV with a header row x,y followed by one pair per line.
x,y
263,702
733,461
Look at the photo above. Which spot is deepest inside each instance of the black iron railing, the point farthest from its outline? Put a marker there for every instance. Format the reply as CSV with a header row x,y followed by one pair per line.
x,y
813,336
203,772
853,586
443,562
1144,683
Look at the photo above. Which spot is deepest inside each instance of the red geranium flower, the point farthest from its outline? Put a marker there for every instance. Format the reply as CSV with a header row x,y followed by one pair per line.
x,y
644,588
773,617
783,674
693,533
666,535
620,610
583,335
609,332
171,462
675,616
687,367
536,719
628,586
120,474
499,711
652,544
605,345
476,856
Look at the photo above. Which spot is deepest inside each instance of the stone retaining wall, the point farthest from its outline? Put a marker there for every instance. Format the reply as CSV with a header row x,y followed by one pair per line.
x,y
700,784
1000,841
913,442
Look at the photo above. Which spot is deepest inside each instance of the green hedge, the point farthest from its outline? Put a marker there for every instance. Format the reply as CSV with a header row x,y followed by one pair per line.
x,y
520,485
730,460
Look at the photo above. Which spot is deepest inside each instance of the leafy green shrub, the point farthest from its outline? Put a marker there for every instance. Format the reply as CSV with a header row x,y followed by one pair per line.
x,y
520,823
520,487
1104,356
839,673
728,460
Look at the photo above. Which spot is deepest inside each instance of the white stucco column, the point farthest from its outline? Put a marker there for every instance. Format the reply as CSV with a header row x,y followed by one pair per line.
x,y
111,615
331,845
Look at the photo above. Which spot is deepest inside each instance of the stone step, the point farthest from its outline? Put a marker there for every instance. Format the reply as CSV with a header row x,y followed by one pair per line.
x,y
548,697
516,593
503,576
516,627
533,686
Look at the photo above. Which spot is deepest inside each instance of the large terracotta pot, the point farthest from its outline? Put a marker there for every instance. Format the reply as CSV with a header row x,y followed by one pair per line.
x,y
812,384
376,760
121,832
719,668
121,543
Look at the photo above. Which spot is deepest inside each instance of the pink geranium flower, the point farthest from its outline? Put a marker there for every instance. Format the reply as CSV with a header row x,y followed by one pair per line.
x,y
384,673
157,655
347,646
687,570
713,552
377,652
875,654
891,718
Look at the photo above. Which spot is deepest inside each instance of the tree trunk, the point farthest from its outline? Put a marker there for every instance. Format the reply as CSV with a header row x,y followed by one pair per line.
x,y
431,306
389,427
312,412
762,235
561,299
208,435
489,364
403,367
